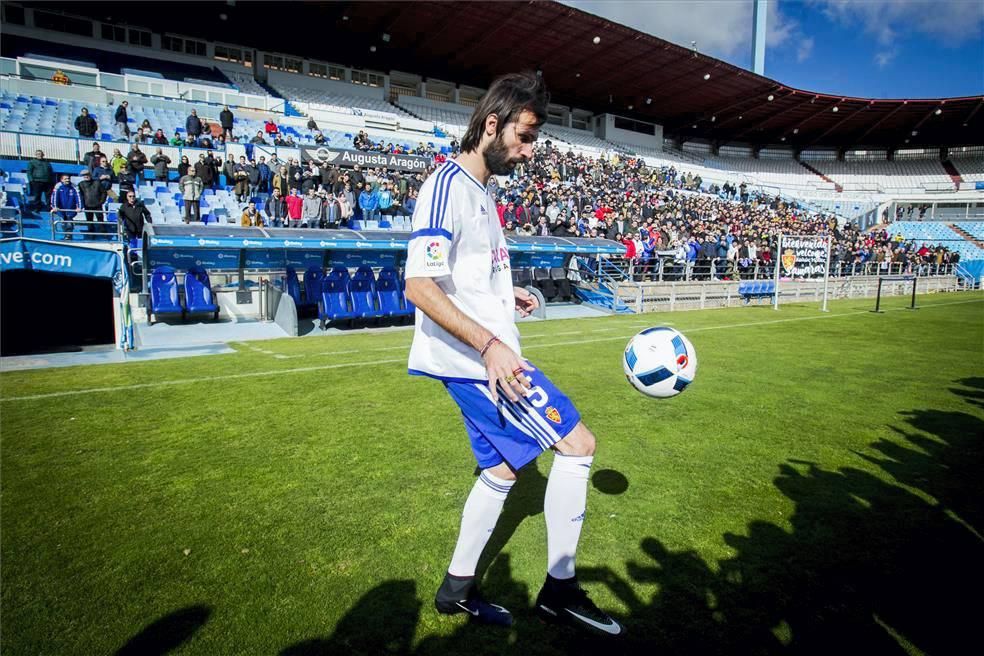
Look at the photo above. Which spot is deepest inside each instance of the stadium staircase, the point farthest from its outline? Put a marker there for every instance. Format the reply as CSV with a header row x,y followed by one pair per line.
x,y
408,111
815,171
289,110
954,174
601,290
966,235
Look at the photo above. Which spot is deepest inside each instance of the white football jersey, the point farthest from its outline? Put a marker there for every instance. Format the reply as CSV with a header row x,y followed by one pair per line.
x,y
457,240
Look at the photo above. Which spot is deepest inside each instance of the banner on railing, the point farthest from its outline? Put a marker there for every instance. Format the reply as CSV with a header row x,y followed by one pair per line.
x,y
36,255
349,158
804,257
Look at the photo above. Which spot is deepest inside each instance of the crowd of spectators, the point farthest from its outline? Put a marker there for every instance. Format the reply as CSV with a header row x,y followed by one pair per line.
x,y
667,218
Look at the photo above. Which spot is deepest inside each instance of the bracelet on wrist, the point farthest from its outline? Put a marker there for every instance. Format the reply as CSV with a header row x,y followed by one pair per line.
x,y
487,346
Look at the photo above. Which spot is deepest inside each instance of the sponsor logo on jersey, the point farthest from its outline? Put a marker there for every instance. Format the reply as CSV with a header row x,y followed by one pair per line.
x,y
434,251
552,414
579,518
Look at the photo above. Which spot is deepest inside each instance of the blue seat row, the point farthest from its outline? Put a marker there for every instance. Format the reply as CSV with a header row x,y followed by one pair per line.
x,y
340,296
756,289
164,298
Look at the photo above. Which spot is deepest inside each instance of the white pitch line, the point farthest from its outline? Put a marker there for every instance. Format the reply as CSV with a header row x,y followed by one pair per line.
x,y
274,372
189,381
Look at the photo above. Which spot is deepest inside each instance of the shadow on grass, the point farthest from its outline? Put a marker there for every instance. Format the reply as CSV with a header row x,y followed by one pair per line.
x,y
887,560
166,634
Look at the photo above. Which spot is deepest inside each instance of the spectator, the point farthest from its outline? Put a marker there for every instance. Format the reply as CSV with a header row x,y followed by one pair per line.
x,y
183,167
160,138
103,174
311,209
40,177
118,163
258,139
65,204
345,205
240,173
253,176
276,209
93,197
122,129
226,120
86,125
135,162
250,217
281,182
319,138
133,214
160,162
265,176
331,213
384,200
176,140
270,127
91,158
193,125
191,190
368,202
295,208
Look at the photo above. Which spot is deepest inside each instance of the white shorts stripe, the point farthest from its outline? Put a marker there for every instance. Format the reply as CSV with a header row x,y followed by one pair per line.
x,y
514,420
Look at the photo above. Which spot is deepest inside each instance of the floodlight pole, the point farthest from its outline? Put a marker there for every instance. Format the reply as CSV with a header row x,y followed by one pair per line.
x,y
759,11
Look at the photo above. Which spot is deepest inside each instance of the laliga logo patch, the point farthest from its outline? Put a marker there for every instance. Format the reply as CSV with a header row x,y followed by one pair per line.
x,y
434,250
788,259
552,414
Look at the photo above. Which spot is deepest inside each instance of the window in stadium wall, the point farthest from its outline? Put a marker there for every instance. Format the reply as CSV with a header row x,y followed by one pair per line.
x,y
230,54
634,126
317,70
336,73
193,47
47,20
292,65
273,61
13,14
172,43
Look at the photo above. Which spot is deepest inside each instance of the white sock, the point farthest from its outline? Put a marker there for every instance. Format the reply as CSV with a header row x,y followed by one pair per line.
x,y
477,522
563,507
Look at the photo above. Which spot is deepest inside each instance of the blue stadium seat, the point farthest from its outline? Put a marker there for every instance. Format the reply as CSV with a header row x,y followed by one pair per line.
x,y
340,272
293,287
756,289
389,273
313,282
198,293
164,298
334,303
362,290
389,295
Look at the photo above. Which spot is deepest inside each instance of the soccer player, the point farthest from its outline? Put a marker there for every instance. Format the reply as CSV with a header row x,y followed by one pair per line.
x,y
458,276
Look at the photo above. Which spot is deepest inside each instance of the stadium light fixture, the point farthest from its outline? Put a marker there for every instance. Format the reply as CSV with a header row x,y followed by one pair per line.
x,y
836,109
740,117
771,97
782,139
915,133
714,118
596,40
649,101
938,111
372,48
630,107
796,130
707,76
694,126
577,75
385,37
223,17
344,18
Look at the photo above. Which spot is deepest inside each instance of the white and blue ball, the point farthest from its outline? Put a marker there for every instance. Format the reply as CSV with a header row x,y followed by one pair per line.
x,y
660,362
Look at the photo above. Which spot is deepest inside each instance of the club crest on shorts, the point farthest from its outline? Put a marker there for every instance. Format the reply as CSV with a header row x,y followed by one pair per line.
x,y
552,414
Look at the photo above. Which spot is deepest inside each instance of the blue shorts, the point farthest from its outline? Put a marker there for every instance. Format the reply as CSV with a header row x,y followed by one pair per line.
x,y
515,433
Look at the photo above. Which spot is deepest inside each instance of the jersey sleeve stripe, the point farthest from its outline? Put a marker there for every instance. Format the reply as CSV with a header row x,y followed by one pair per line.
x,y
436,191
431,232
442,210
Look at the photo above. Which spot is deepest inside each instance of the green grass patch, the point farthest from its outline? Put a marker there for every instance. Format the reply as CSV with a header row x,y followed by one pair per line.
x,y
816,490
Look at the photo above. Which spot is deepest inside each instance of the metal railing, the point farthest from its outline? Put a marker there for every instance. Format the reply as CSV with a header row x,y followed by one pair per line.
x,y
98,230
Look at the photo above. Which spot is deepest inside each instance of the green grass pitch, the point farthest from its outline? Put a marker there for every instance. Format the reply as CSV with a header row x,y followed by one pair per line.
x,y
817,490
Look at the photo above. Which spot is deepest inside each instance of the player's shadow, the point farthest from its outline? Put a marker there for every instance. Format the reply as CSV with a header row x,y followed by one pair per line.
x,y
166,634
875,559
974,395
383,621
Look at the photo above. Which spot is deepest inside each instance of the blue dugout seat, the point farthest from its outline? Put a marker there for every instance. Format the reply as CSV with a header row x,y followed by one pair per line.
x,y
164,298
756,289
293,287
198,293
362,291
313,282
334,303
389,295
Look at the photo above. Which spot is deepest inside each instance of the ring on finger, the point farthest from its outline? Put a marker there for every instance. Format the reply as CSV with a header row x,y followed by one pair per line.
x,y
510,378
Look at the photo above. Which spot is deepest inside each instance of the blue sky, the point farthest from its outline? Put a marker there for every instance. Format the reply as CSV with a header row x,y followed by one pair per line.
x,y
864,48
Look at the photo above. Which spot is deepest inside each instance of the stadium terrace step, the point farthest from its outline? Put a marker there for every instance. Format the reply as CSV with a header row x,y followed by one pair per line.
x,y
823,177
966,235
954,174
408,111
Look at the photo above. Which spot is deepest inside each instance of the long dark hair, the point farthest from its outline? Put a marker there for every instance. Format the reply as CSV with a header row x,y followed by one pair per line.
x,y
507,97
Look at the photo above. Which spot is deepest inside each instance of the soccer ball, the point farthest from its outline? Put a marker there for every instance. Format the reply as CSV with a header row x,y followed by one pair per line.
x,y
660,362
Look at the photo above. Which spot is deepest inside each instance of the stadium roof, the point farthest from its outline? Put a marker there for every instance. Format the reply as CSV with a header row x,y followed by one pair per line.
x,y
692,95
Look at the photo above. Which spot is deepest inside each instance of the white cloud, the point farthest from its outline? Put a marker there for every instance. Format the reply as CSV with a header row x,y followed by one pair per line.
x,y
720,28
804,49
951,21
885,57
